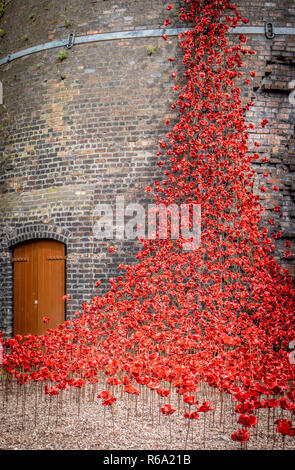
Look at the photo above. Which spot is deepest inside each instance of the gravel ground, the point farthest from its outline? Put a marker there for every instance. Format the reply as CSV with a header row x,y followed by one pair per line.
x,y
76,420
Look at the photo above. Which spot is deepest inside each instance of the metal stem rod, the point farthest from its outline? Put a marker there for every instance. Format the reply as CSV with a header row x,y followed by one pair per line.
x,y
73,40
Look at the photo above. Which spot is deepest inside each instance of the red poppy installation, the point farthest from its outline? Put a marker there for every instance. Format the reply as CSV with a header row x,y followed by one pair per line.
x,y
219,317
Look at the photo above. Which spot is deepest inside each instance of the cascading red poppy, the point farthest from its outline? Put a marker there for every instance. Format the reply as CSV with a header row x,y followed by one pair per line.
x,y
221,314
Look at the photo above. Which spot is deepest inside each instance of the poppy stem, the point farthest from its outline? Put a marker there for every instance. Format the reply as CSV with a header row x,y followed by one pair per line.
x,y
49,406
79,399
273,428
112,411
127,407
188,428
204,430
273,441
257,424
57,409
36,402
151,408
143,402
24,406
221,408
17,396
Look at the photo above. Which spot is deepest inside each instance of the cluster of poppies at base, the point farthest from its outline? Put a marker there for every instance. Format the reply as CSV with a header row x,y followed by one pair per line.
x,y
221,313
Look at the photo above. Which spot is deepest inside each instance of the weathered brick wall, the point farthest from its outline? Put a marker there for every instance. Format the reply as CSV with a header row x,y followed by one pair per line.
x,y
85,130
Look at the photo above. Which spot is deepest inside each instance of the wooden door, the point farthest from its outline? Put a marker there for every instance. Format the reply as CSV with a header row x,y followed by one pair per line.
x,y
39,285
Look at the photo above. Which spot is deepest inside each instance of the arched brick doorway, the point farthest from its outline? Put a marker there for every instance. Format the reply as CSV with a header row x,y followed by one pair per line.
x,y
39,284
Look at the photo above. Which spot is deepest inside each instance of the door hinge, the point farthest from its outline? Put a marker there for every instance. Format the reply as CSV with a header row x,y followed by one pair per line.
x,y
15,260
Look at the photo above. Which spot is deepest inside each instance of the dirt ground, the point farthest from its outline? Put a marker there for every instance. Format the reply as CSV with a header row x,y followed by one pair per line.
x,y
76,420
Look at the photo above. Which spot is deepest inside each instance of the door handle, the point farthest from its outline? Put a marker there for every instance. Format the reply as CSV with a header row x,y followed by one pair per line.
x,y
35,302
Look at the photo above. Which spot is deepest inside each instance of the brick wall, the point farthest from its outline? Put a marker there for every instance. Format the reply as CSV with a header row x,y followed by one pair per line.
x,y
81,131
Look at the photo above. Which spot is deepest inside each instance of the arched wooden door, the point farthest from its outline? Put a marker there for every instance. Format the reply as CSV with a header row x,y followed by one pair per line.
x,y
39,285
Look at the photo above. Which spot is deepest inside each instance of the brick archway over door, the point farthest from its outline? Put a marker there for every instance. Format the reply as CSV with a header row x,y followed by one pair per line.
x,y
39,284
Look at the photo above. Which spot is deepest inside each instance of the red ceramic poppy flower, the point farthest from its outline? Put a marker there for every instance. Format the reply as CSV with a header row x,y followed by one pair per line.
x,y
190,399
168,409
247,420
241,436
192,415
206,406
109,400
162,392
285,427
131,389
105,394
